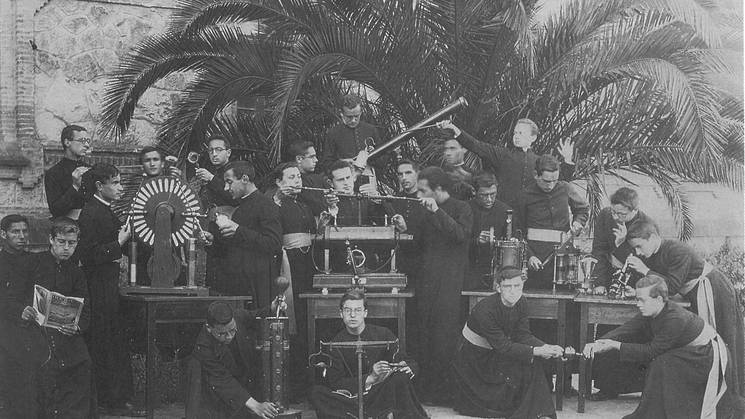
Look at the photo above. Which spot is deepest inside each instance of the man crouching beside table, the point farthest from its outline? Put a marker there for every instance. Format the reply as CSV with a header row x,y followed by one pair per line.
x,y
496,368
688,375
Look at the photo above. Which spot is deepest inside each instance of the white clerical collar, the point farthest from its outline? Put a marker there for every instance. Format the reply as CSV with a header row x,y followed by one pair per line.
x,y
103,201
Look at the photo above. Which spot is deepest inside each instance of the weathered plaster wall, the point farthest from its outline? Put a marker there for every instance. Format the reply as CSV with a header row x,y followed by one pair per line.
x,y
78,44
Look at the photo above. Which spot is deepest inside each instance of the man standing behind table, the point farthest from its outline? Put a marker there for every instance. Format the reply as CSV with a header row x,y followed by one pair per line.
x,y
303,153
545,212
252,238
689,375
213,194
23,348
386,372
102,237
513,167
352,138
497,369
66,379
63,180
609,246
711,294
444,238
489,223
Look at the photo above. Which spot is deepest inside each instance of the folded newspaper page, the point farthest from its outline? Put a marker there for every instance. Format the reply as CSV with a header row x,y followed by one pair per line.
x,y
56,310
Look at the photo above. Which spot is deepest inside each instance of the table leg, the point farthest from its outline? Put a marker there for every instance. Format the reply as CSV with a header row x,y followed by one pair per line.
x,y
311,310
561,326
150,359
583,384
401,309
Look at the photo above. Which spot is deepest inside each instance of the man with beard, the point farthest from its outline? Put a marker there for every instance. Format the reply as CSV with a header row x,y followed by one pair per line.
x,y
386,372
66,385
489,223
513,167
497,368
102,238
609,246
23,348
304,154
63,180
688,375
252,238
444,239
213,194
298,226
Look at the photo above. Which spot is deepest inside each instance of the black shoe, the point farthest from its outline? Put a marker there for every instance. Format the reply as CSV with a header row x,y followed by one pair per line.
x,y
570,391
126,409
601,396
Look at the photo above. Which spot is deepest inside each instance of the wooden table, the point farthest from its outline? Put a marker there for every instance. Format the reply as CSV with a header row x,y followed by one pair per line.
x,y
599,309
543,304
380,305
171,309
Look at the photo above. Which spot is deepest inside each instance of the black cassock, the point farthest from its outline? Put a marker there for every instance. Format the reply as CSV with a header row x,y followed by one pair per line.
x,y
480,255
250,260
99,253
394,395
23,348
677,370
444,240
506,381
66,384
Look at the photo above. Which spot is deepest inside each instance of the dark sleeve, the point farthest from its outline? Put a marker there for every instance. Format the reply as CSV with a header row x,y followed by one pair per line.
x,y
630,330
508,348
663,341
578,204
268,237
16,294
456,230
61,197
80,289
217,187
217,377
339,377
602,246
677,263
94,249
490,153
566,171
329,153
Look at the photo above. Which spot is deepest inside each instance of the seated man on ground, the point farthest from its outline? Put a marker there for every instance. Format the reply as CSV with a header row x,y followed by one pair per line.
x,y
387,372
688,371
230,365
496,368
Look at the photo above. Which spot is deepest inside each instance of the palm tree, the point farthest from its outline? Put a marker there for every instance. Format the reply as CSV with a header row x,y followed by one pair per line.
x,y
639,85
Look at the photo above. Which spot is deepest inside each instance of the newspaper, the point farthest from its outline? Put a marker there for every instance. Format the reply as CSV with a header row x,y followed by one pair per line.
x,y
56,310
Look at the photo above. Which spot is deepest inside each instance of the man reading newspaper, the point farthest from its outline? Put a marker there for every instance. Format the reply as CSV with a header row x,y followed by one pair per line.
x,y
66,377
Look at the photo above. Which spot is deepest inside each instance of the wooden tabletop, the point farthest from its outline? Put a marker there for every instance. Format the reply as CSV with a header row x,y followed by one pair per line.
x,y
602,299
338,295
549,294
171,298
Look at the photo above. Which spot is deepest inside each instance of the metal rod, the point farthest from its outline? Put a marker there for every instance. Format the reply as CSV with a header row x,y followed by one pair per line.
x,y
359,196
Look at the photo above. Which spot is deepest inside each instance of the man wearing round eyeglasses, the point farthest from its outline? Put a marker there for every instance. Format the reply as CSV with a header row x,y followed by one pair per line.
x,y
213,191
489,224
609,246
62,181
66,378
387,372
